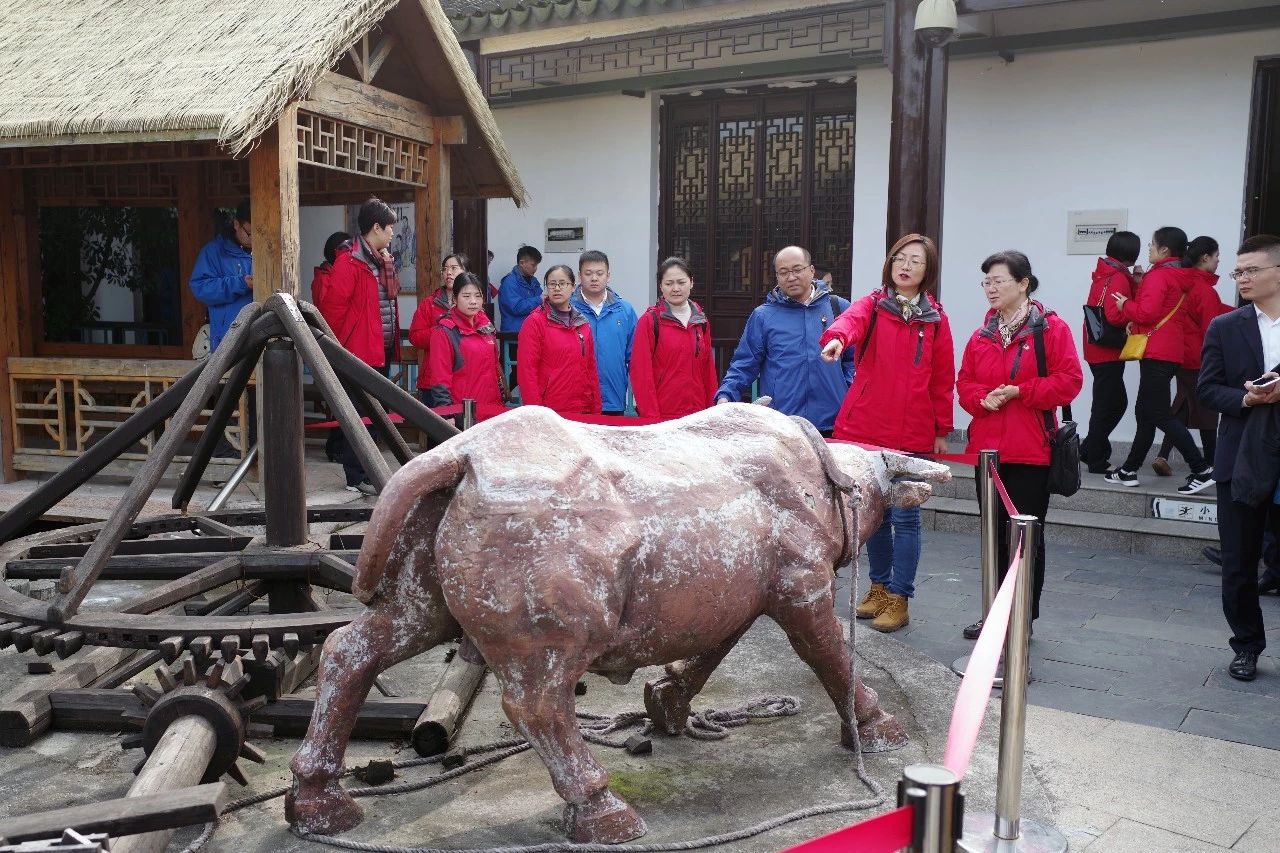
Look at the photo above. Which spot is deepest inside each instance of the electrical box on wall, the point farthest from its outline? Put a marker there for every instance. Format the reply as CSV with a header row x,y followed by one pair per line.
x,y
566,235
1089,230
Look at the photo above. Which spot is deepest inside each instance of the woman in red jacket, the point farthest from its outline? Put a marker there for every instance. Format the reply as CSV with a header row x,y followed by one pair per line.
x,y
339,241
1203,304
463,361
556,367
673,368
430,311
1154,311
1002,386
902,397
1110,400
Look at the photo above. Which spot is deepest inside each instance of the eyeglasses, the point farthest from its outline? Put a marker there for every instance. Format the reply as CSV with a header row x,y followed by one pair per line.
x,y
793,272
454,268
989,283
559,285
909,263
1241,275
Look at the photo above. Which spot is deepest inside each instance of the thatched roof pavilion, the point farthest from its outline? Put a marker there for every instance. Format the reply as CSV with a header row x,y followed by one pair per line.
x,y
171,109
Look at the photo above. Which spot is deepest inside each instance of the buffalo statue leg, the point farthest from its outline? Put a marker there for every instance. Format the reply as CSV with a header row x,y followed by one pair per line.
x,y
537,695
394,628
667,698
814,631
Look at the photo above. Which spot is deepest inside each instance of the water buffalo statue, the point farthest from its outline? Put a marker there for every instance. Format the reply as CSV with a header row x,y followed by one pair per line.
x,y
560,548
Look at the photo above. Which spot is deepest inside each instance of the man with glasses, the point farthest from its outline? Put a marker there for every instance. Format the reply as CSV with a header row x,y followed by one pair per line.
x,y
779,346
1242,352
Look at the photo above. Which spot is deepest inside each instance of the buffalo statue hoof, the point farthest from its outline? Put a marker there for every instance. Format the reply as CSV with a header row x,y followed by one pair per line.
x,y
603,819
666,706
321,809
880,733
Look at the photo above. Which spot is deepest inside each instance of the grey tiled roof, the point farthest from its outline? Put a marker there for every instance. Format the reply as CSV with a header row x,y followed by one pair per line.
x,y
473,18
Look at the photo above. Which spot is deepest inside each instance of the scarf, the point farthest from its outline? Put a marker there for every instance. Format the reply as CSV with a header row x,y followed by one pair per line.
x,y
388,278
910,307
1011,328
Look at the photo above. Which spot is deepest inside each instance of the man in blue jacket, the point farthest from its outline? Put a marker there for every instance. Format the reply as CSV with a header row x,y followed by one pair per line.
x,y
222,277
779,346
613,326
520,292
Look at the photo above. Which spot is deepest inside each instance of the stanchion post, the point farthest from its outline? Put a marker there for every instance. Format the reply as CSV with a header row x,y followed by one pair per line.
x,y
989,518
468,413
933,792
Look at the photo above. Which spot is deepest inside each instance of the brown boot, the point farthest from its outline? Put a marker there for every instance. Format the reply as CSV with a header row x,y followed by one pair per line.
x,y
1161,466
894,615
875,602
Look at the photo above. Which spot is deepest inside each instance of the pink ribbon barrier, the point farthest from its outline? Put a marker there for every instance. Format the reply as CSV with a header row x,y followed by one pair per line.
x,y
886,833
979,676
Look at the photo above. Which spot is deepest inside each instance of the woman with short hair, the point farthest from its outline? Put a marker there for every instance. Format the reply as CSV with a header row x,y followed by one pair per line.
x,y
557,363
463,357
673,366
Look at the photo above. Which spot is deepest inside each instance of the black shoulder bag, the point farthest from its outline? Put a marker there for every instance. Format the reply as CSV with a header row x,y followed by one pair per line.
x,y
1099,330
1064,441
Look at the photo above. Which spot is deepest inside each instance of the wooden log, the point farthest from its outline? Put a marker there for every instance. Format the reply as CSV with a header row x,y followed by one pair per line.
x,y
443,715
273,191
25,711
179,761
125,816
357,103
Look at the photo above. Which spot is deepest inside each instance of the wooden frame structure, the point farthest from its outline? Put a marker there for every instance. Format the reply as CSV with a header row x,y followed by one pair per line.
x,y
403,120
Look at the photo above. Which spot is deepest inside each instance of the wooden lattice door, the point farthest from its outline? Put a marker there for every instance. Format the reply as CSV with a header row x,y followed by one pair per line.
x,y
745,175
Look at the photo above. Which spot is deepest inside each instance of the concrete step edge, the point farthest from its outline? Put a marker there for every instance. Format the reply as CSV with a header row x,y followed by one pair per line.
x,y
1095,521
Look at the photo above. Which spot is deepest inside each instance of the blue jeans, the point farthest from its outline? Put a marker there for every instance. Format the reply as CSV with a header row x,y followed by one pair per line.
x,y
894,550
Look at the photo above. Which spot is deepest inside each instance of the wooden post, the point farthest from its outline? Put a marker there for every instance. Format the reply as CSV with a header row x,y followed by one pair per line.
x,y
195,229
432,207
273,192
917,139
12,279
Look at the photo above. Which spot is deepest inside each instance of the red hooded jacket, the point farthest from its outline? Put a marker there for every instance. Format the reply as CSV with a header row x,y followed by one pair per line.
x,y
1109,278
673,369
350,305
903,388
1017,428
1202,305
1161,288
556,365
425,318
445,379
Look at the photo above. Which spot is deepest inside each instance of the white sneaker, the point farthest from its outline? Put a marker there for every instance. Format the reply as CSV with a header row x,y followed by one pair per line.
x,y
1122,477
364,488
1197,483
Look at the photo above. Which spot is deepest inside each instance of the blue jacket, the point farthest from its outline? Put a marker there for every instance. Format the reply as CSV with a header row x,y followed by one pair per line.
x,y
779,347
217,280
613,331
518,297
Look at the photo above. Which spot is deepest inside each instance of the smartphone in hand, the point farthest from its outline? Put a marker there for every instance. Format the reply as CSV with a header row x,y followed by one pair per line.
x,y
1264,382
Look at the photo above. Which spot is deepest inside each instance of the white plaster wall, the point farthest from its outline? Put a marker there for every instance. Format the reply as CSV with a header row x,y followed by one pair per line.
x,y
594,158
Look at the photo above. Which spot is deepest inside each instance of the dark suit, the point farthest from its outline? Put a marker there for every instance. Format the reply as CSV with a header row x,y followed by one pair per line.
x,y
1233,356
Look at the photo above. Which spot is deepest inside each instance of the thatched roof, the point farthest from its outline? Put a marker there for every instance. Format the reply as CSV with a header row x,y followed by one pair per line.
x,y
216,69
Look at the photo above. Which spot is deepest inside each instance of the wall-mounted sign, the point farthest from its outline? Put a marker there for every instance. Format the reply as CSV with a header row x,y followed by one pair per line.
x,y
566,235
1089,230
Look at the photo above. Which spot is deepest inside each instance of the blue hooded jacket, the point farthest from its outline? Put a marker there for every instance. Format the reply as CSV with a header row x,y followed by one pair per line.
x,y
217,280
779,346
613,331
518,297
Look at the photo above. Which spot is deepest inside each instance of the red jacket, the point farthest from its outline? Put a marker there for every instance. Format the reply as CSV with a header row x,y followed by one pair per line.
x,y
424,320
1109,278
1157,295
445,379
1016,429
556,363
350,305
902,394
319,281
1202,305
673,370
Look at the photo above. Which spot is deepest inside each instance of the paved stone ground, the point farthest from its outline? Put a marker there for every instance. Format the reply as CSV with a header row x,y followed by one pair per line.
x,y
1120,636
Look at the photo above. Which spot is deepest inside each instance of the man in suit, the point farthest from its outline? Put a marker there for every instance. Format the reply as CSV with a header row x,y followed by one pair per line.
x,y
1239,348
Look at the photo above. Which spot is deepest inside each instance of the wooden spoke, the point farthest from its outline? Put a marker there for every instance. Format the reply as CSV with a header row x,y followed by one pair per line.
x,y
220,573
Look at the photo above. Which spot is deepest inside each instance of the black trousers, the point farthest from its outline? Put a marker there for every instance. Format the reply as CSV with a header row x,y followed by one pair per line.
x,y
1110,402
1154,411
1241,529
1028,487
346,452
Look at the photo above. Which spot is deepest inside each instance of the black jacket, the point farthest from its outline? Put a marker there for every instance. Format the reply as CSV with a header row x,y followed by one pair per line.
x,y
1232,356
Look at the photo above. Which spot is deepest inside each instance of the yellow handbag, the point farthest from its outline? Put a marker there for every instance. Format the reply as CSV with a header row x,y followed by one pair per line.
x,y
1135,346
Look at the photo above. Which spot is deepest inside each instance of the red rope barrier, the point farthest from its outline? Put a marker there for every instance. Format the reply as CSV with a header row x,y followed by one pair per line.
x,y
886,833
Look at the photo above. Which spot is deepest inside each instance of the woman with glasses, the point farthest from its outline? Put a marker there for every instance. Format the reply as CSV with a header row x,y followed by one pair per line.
x,y
901,397
673,368
1002,384
557,365
431,310
1158,309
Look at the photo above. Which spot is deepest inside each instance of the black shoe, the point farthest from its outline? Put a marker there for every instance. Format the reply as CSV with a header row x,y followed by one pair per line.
x,y
1101,468
1123,478
972,632
1212,554
1244,666
1269,583
1197,483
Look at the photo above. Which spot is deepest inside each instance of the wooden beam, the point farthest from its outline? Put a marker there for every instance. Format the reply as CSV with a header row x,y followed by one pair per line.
x,y
125,816
432,208
345,99
273,192
12,281
195,228
378,56
453,129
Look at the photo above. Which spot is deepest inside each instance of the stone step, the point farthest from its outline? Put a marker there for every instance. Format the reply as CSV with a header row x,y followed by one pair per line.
x,y
1110,531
